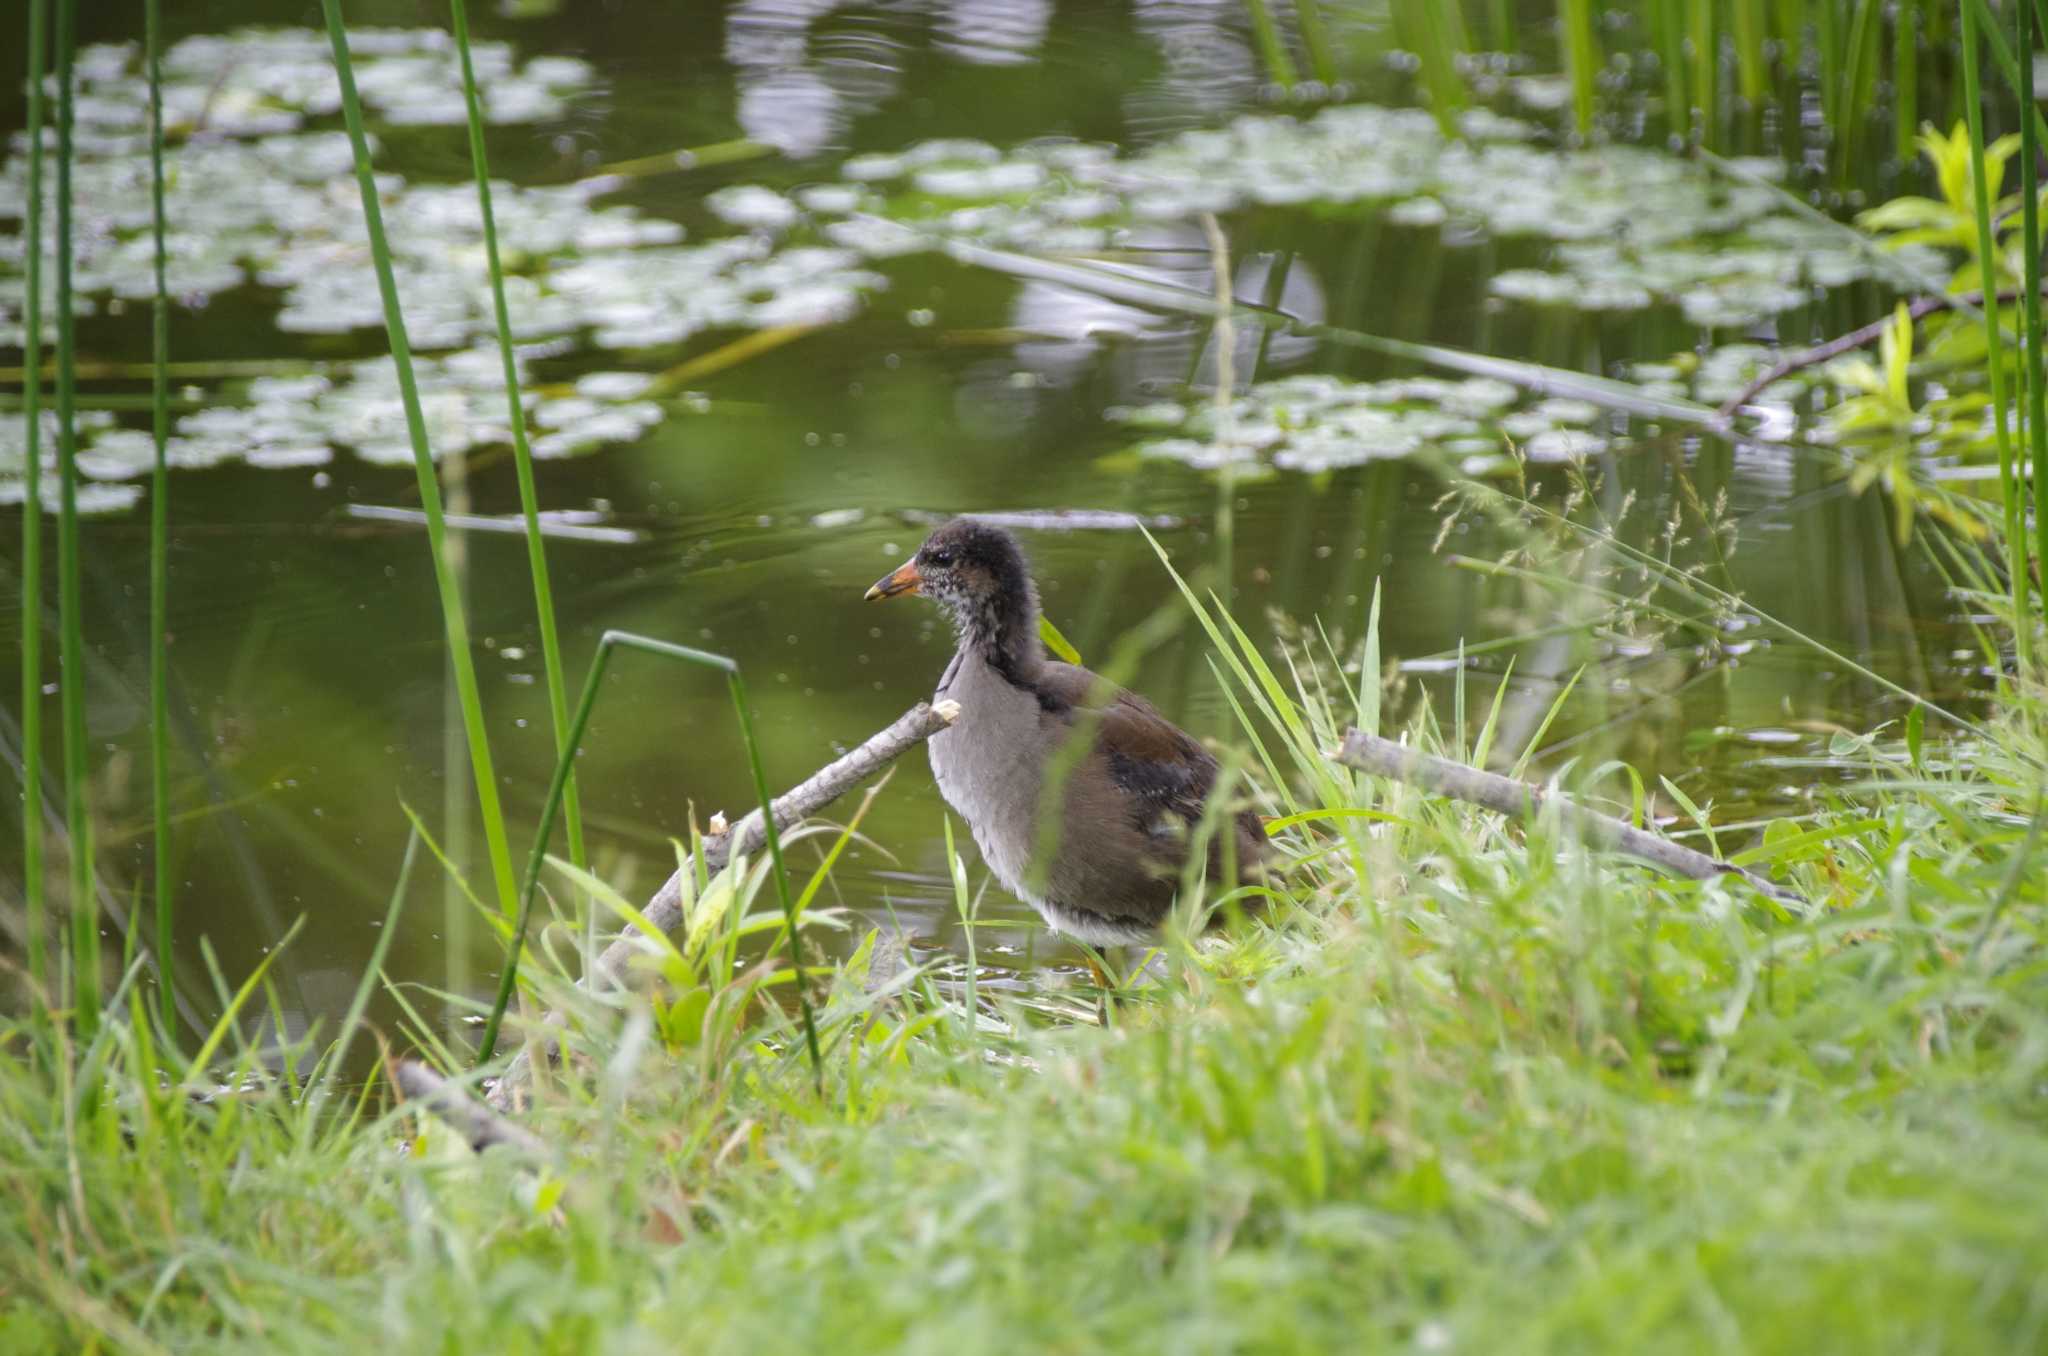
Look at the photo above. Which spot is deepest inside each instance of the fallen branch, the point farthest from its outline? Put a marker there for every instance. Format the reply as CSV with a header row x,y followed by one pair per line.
x,y
665,909
1861,337
477,1123
1520,800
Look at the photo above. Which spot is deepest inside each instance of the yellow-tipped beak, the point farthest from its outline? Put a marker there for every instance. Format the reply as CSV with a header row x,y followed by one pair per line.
x,y
903,579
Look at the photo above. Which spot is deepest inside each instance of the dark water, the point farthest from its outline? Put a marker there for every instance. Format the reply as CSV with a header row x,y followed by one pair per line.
x,y
310,694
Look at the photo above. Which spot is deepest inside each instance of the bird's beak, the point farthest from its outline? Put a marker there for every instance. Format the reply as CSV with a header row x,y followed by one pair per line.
x,y
903,579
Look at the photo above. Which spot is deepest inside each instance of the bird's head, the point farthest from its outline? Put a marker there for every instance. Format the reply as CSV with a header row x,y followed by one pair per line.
x,y
974,570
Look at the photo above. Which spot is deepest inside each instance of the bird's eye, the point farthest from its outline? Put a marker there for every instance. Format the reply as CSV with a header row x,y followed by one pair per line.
x,y
941,558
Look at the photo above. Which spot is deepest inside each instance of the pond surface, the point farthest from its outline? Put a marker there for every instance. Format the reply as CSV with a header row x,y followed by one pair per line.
x,y
872,185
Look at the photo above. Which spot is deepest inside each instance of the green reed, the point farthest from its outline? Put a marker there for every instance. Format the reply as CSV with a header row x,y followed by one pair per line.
x,y
1704,47
159,522
32,517
557,790
2009,483
1905,79
522,452
1666,23
1435,35
2030,235
1272,47
455,625
1746,25
85,936
1582,58
1315,41
1501,26
2002,56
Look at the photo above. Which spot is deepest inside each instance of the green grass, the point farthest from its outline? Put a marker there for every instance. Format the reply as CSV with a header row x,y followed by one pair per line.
x,y
1468,1087
1464,1086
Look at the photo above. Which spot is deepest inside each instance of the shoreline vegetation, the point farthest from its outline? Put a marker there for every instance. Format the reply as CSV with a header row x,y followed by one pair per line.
x,y
1474,1080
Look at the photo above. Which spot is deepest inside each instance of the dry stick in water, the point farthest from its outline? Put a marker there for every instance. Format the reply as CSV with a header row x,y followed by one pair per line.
x,y
665,910
1519,800
477,1123
1861,337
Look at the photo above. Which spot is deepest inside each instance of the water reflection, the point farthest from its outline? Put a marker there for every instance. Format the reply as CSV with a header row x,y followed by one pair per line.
x,y
800,91
806,70
1066,334
1208,65
994,32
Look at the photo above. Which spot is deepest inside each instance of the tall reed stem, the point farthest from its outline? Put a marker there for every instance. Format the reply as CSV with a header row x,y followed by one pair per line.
x,y
1582,59
159,525
2010,486
33,898
85,935
522,453
2030,234
455,625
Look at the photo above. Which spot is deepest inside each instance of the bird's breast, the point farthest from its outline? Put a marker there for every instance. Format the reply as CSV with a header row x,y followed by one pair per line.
x,y
990,764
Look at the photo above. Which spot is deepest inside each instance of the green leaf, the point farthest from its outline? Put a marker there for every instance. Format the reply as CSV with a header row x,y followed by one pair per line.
x,y
1056,642
1897,349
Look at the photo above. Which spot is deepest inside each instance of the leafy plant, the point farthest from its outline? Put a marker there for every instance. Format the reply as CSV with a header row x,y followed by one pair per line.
x,y
1881,413
1950,222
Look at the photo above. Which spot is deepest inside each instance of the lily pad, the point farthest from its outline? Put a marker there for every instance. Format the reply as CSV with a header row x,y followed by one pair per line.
x,y
1726,254
1322,423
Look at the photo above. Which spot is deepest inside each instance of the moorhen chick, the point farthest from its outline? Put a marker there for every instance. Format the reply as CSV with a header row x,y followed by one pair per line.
x,y
1128,807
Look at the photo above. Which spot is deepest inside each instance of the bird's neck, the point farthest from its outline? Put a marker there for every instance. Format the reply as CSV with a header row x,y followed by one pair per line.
x,y
1003,633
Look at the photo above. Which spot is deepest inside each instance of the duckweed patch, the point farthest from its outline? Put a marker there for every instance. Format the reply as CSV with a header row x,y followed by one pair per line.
x,y
1321,423
1723,253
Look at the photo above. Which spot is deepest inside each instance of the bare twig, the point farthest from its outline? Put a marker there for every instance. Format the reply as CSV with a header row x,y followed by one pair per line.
x,y
477,1123
1861,337
1518,799
665,909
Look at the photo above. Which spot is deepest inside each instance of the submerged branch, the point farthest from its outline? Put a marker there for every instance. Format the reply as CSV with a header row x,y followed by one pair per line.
x,y
665,909
1863,336
475,1122
1520,800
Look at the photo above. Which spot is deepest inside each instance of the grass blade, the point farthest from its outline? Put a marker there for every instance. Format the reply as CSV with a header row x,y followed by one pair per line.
x,y
522,452
2009,484
159,525
2030,253
85,935
35,905
1582,59
455,624
1272,47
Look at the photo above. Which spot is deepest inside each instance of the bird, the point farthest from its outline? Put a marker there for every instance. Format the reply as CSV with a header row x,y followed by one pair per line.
x,y
1095,838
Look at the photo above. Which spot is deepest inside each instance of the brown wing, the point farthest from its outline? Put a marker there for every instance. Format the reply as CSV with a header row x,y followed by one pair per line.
x,y
1164,775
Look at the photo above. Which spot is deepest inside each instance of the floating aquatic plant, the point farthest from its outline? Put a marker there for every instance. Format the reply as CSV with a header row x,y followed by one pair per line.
x,y
1726,254
1321,423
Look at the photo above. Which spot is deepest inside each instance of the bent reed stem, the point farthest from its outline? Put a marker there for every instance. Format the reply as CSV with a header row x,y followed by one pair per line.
x,y
665,908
